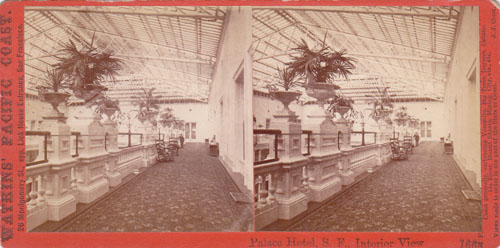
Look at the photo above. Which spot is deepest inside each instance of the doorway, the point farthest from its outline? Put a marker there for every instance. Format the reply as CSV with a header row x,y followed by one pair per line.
x,y
190,131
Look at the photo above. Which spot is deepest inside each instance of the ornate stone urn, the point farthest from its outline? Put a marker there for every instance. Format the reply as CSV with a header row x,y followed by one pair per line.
x,y
322,91
376,118
342,110
109,112
55,98
286,97
151,113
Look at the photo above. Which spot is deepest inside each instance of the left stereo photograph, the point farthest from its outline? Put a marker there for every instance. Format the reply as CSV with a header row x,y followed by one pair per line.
x,y
138,119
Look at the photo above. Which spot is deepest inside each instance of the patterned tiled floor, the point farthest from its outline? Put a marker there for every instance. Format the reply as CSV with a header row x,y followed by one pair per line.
x,y
421,194
190,194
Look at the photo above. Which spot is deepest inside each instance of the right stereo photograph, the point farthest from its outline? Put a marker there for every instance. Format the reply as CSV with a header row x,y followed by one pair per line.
x,y
366,119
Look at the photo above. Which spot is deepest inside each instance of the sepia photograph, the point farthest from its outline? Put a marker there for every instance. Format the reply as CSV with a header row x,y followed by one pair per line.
x,y
366,119
318,124
137,118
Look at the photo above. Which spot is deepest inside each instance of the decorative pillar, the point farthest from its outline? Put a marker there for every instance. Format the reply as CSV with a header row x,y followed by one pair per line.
x,y
149,137
290,187
344,134
324,177
111,140
91,170
60,201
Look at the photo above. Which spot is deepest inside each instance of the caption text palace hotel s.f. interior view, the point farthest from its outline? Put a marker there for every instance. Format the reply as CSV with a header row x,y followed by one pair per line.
x,y
203,119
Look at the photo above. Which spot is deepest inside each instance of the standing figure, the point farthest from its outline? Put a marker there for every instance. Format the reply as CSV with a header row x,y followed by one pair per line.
x,y
181,139
416,138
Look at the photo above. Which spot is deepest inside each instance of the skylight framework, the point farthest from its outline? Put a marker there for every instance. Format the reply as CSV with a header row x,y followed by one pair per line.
x,y
407,49
172,49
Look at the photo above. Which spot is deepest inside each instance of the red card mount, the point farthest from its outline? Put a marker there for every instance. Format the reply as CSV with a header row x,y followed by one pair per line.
x,y
15,88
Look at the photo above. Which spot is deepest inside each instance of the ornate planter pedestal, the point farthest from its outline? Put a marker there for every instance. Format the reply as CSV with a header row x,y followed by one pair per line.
x,y
91,180
346,173
289,145
111,130
292,183
344,133
324,177
55,98
149,135
59,196
286,97
321,92
322,169
319,121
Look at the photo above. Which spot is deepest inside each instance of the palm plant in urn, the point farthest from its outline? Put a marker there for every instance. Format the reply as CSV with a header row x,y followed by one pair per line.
x,y
341,104
319,68
382,105
166,118
51,91
85,68
148,105
402,117
282,90
106,105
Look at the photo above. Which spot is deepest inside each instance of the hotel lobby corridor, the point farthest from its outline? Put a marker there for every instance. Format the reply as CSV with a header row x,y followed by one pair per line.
x,y
421,194
191,193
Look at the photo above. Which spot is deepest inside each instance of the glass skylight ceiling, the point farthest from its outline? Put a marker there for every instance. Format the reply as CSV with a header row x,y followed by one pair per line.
x,y
405,48
171,49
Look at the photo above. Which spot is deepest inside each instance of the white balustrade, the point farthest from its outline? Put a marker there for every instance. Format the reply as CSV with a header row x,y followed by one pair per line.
x,y
304,180
280,187
363,154
266,183
36,190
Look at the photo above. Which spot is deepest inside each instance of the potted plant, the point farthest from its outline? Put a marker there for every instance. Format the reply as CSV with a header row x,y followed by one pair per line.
x,y
382,105
86,68
282,89
51,90
166,117
340,104
148,105
319,68
106,105
402,116
178,124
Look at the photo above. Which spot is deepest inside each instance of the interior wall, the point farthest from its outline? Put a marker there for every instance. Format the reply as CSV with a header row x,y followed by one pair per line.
x,y
428,112
188,112
461,99
194,113
230,109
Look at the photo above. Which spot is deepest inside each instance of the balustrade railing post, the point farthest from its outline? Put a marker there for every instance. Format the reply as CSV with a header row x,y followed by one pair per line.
x,y
363,136
77,138
276,134
261,194
77,144
45,141
309,134
130,138
276,145
106,141
304,179
271,190
41,191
